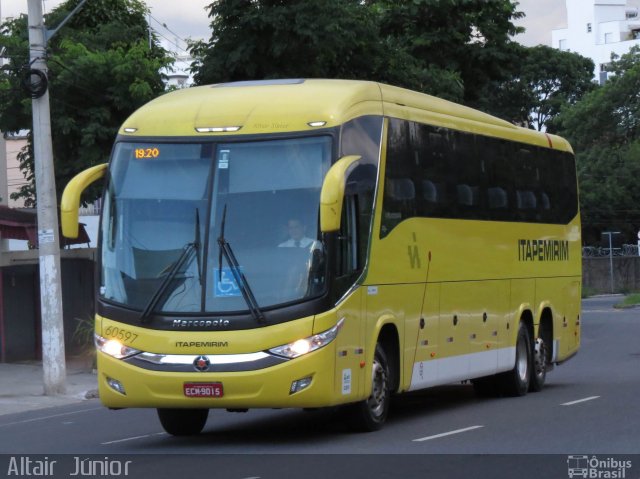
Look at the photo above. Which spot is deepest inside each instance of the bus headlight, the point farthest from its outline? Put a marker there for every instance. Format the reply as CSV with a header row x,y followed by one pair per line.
x,y
114,348
307,345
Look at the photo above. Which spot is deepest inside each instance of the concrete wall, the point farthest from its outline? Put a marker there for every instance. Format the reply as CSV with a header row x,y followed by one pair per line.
x,y
596,274
20,335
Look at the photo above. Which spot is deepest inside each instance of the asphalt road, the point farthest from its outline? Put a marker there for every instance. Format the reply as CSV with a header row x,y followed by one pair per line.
x,y
589,406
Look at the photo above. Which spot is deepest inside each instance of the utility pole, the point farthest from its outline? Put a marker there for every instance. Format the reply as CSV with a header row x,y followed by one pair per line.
x,y
53,354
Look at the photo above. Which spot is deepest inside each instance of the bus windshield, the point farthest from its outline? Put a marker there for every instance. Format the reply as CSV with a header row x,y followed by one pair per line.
x,y
164,214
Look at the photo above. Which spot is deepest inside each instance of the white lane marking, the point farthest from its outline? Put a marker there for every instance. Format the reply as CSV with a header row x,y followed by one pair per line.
x,y
457,431
571,403
49,417
602,310
133,438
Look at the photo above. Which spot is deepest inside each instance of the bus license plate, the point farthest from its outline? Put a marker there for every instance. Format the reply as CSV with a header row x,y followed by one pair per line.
x,y
203,390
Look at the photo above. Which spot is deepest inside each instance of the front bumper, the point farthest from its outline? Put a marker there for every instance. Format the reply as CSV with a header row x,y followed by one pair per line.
x,y
268,387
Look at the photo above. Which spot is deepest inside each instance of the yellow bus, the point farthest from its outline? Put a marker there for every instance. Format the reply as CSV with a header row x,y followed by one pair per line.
x,y
313,243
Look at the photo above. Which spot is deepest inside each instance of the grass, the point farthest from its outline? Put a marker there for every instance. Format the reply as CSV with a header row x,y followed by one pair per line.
x,y
587,292
629,301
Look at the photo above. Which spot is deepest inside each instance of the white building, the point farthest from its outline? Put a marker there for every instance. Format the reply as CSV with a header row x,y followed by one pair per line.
x,y
178,75
598,28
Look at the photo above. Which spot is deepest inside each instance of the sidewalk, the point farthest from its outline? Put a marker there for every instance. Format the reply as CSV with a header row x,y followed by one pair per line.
x,y
21,386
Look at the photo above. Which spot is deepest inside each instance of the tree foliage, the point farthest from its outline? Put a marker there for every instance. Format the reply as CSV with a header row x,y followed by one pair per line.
x,y
274,39
101,68
541,83
468,39
449,48
604,129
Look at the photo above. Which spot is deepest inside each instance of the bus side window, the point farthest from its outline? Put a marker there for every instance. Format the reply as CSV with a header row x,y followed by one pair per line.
x,y
401,195
347,262
433,197
348,238
497,198
468,195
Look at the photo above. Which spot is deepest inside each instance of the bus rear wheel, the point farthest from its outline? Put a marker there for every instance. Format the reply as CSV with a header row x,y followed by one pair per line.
x,y
516,382
183,422
539,373
370,414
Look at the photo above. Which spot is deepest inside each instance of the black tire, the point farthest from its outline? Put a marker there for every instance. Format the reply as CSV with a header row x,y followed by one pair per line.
x,y
540,360
370,415
516,382
183,422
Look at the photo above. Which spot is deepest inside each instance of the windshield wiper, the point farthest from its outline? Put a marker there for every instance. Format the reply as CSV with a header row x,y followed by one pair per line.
x,y
197,245
185,257
238,275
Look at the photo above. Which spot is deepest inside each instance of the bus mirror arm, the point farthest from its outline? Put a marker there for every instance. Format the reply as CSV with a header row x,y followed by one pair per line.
x,y
70,202
332,194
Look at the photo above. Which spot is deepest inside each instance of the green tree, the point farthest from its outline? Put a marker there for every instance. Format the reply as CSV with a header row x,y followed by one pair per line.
x,y
259,39
604,129
449,48
540,85
101,68
468,39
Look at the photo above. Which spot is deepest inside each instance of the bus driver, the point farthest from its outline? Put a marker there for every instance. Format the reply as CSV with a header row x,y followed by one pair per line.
x,y
297,237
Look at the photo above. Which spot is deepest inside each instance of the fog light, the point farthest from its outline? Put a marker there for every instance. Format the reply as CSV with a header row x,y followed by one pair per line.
x,y
300,384
116,385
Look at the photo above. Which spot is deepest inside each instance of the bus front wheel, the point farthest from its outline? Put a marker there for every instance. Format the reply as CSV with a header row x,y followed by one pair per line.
x,y
370,414
183,422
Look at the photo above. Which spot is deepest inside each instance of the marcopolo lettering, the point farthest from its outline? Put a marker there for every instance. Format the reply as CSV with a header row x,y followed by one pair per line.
x,y
543,250
200,323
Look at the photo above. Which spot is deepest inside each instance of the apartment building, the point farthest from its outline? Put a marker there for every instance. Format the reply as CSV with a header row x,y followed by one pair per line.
x,y
597,29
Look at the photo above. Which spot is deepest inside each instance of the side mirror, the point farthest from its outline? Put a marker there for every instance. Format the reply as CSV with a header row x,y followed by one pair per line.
x,y
332,193
70,202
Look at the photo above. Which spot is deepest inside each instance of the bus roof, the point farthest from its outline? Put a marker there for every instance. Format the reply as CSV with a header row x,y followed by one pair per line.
x,y
295,105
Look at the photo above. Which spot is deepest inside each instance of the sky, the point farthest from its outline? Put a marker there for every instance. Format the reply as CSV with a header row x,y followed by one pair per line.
x,y
183,18
188,18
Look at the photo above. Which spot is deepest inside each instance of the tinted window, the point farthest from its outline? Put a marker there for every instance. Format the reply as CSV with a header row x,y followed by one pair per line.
x,y
441,173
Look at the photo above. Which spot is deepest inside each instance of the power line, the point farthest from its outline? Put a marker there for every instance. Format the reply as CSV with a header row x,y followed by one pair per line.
x,y
169,40
164,25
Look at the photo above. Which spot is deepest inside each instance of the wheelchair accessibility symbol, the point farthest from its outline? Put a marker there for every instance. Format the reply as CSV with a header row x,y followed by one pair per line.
x,y
225,284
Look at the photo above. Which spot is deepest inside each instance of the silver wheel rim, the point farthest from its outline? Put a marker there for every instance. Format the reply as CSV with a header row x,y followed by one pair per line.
x,y
378,398
540,358
522,362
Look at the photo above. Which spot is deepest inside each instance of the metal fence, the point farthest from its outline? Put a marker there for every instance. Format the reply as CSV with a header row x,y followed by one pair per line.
x,y
92,209
598,252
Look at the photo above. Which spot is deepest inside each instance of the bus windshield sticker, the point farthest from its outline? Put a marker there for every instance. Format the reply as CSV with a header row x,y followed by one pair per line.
x,y
224,283
223,162
346,381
